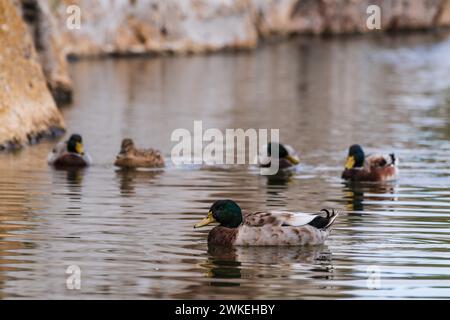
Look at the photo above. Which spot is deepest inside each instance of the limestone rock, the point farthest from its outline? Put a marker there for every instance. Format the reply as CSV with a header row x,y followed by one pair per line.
x,y
47,40
142,26
27,109
127,27
443,17
348,16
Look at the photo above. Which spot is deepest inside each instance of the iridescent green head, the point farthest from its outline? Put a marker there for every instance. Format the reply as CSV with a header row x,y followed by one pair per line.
x,y
226,212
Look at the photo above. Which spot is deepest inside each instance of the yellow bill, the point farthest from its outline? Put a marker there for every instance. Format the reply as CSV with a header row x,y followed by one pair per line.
x,y
293,160
208,220
79,148
350,162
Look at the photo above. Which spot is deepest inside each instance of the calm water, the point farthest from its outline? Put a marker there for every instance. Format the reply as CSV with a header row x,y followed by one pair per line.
x,y
132,233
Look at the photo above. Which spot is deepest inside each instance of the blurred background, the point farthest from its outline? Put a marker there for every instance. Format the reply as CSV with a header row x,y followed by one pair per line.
x,y
143,68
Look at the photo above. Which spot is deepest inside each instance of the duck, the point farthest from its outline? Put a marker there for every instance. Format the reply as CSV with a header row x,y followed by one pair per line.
x,y
271,228
370,168
287,156
130,157
70,153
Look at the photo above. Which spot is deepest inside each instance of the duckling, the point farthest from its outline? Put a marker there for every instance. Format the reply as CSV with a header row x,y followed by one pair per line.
x,y
287,157
70,153
274,228
371,168
131,157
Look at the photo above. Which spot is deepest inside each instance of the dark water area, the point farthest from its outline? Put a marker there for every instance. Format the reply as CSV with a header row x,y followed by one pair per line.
x,y
131,233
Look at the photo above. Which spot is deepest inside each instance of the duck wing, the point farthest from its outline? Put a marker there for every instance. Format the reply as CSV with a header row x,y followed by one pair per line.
x,y
145,153
279,228
381,160
290,219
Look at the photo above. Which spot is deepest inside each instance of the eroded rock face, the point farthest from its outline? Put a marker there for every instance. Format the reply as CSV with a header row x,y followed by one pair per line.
x,y
140,26
125,26
349,16
47,40
27,109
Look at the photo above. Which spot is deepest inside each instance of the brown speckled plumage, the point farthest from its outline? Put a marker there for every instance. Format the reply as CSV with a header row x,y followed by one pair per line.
x,y
276,235
131,157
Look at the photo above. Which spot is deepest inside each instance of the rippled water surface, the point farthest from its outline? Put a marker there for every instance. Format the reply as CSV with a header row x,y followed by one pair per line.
x,y
131,233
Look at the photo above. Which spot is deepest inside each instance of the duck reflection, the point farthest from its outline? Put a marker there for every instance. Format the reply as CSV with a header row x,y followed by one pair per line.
x,y
354,197
129,179
222,263
227,263
73,181
282,178
276,186
356,193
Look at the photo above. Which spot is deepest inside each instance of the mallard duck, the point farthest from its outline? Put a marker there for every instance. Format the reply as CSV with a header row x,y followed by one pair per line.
x,y
69,153
373,168
275,228
287,157
131,157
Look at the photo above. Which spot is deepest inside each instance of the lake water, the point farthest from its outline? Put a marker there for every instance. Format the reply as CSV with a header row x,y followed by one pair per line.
x,y
132,233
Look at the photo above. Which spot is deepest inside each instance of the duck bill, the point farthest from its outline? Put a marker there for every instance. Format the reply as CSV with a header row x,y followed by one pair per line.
x,y
79,148
350,162
208,220
293,160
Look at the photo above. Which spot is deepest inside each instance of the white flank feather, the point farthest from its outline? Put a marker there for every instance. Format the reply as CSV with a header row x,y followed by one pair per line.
x,y
295,219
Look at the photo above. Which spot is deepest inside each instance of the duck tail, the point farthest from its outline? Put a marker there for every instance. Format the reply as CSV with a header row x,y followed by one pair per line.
x,y
325,223
331,216
394,159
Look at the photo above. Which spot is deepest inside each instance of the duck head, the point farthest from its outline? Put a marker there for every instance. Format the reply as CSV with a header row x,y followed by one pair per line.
x,y
127,145
283,152
355,158
75,144
226,212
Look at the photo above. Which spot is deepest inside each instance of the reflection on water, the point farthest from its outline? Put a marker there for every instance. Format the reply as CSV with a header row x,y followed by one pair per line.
x,y
356,193
131,232
129,179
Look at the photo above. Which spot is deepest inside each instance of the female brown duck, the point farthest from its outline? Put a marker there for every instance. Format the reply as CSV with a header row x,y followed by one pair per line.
x,y
373,168
274,228
131,157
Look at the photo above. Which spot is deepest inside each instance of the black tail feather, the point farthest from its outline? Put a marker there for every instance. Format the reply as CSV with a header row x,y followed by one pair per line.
x,y
324,223
393,159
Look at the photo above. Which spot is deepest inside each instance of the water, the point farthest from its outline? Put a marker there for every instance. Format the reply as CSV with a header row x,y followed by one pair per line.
x,y
132,233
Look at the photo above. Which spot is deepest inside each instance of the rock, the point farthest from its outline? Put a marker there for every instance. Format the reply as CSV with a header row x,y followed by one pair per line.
x,y
128,27
27,109
348,16
145,26
443,17
29,65
47,41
